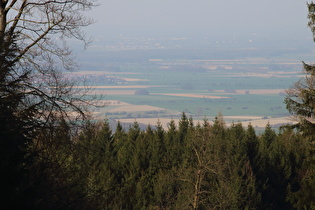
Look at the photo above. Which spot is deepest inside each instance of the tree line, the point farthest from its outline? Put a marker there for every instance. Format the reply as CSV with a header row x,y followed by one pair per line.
x,y
186,166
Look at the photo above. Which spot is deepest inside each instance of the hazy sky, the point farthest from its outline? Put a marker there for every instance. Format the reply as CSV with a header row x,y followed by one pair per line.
x,y
182,18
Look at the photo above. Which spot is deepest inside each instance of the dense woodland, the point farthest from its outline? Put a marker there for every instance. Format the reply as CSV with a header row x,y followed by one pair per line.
x,y
187,166
54,156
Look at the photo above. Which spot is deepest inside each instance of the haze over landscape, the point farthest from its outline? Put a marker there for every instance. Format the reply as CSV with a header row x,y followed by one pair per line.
x,y
141,42
281,19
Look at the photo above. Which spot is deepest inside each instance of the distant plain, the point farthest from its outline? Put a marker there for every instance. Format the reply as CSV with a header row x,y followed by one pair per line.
x,y
148,85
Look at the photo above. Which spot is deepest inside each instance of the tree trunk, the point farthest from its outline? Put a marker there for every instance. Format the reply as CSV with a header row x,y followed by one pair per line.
x,y
3,20
197,189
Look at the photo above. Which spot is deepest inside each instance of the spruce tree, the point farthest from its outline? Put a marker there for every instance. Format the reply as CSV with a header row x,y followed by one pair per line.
x,y
300,99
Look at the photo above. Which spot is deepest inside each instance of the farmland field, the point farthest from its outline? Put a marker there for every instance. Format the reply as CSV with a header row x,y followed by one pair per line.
x,y
248,89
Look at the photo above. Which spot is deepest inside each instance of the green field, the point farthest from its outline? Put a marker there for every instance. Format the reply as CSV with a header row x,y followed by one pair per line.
x,y
250,86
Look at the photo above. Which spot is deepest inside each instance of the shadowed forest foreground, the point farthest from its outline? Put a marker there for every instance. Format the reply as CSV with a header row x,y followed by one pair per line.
x,y
207,166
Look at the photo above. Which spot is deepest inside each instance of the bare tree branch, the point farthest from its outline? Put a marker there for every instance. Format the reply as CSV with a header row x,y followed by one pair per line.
x,y
39,28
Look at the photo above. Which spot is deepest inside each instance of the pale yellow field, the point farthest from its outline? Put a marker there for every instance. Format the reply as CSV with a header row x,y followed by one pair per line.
x,y
261,123
136,108
117,90
255,121
112,92
254,91
114,102
242,117
151,121
261,91
191,95
120,87
100,72
132,79
263,75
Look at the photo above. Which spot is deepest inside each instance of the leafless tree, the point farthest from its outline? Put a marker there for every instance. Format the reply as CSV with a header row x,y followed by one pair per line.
x,y
36,101
39,29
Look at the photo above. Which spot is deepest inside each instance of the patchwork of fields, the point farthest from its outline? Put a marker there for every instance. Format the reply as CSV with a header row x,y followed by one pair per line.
x,y
247,91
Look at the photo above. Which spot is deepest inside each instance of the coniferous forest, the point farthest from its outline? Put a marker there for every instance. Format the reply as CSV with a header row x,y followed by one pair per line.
x,y
53,155
187,166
